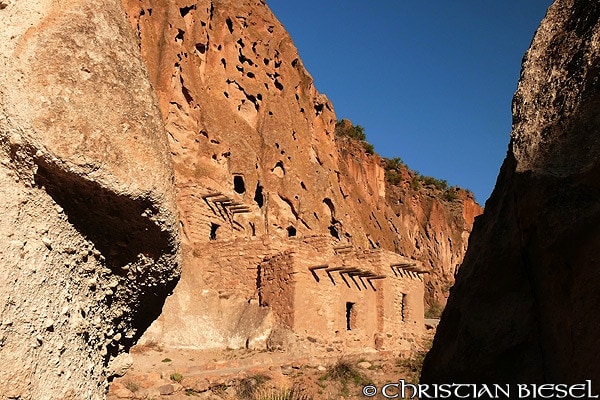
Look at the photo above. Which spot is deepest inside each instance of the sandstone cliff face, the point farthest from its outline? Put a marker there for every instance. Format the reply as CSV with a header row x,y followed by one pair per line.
x,y
88,233
525,305
432,226
255,155
410,216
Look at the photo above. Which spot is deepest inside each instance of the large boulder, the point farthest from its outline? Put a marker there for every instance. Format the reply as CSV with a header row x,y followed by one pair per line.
x,y
88,233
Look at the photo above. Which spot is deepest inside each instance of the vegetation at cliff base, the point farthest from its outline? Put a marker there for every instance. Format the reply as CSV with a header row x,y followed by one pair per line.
x,y
414,363
345,372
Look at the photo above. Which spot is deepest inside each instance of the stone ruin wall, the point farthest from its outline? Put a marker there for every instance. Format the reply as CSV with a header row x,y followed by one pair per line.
x,y
265,288
318,296
278,289
215,304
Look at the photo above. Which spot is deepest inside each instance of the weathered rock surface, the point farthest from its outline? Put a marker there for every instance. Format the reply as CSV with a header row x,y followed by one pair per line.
x,y
525,304
88,233
255,153
90,198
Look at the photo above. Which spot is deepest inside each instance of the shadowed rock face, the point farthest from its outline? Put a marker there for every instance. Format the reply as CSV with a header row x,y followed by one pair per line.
x,y
525,307
88,226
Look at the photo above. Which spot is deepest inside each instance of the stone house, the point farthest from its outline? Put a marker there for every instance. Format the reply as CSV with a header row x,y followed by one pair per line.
x,y
358,298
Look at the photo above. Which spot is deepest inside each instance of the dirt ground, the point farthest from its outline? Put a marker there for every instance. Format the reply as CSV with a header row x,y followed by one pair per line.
x,y
260,375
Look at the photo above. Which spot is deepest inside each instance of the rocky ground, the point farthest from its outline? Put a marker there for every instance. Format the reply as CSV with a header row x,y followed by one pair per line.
x,y
159,373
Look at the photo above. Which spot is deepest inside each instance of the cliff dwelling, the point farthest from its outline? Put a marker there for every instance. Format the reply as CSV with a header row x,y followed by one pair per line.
x,y
362,298
297,287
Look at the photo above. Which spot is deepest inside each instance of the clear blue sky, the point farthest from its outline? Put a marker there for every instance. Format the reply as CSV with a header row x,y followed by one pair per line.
x,y
430,81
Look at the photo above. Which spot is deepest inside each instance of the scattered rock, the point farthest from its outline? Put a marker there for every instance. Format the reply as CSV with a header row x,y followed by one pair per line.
x,y
364,365
120,365
166,389
47,242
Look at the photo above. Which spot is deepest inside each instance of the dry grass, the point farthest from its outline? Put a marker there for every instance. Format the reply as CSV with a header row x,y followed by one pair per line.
x,y
247,388
345,372
413,365
176,377
281,394
132,386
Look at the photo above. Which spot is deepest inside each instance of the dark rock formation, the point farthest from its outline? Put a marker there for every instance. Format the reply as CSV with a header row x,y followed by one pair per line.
x,y
526,304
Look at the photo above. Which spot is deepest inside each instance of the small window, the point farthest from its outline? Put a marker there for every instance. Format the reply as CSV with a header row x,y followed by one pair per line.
x,y
258,195
403,306
291,231
238,184
213,231
350,316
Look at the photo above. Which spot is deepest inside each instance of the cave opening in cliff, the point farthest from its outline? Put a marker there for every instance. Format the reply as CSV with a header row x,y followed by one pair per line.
x,y
334,232
213,231
180,34
291,231
327,201
121,229
238,184
350,316
258,195
116,224
183,11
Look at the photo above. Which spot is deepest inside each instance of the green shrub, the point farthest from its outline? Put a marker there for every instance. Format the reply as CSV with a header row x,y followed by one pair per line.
x,y
440,184
166,360
176,377
393,164
369,149
434,311
393,177
415,183
345,128
451,194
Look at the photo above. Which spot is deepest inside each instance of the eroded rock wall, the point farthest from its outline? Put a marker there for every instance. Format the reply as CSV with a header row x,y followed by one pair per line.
x,y
88,233
409,216
254,147
525,304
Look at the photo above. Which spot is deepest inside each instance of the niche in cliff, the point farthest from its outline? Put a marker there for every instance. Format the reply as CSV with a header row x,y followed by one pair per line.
x,y
238,184
258,195
117,225
121,229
